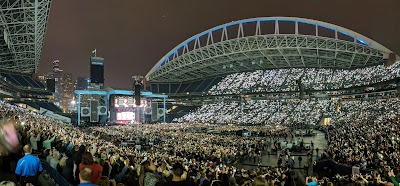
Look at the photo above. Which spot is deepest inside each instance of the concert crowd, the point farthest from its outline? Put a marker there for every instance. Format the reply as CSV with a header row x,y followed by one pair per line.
x,y
361,133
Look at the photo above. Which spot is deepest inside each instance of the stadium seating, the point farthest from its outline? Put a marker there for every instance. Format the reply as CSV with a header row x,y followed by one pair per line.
x,y
21,80
287,112
45,105
262,112
279,80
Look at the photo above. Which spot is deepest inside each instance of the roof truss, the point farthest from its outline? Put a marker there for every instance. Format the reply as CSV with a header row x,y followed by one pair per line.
x,y
267,52
22,29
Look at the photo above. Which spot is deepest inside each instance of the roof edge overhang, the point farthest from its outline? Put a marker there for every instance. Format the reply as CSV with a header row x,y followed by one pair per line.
x,y
357,36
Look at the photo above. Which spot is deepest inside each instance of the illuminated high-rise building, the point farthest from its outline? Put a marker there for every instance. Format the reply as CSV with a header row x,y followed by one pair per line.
x,y
97,71
62,84
67,92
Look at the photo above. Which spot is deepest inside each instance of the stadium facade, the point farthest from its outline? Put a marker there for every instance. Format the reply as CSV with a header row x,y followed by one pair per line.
x,y
23,26
249,45
189,73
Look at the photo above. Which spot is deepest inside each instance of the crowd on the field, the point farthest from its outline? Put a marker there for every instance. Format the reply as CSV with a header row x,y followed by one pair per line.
x,y
361,133
277,80
162,154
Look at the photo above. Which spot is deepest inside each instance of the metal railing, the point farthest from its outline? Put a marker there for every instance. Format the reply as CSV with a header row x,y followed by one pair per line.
x,y
54,175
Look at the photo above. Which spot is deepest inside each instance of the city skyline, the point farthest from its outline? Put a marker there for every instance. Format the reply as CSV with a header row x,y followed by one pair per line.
x,y
133,36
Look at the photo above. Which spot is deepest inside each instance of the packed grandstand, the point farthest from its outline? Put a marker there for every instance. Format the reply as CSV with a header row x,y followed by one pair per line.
x,y
283,80
240,120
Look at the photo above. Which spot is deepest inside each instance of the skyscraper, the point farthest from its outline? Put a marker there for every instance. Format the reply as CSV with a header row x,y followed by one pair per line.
x,y
67,92
97,71
64,87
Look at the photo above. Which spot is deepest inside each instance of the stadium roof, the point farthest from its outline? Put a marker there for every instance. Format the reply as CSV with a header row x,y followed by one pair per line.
x,y
267,43
22,29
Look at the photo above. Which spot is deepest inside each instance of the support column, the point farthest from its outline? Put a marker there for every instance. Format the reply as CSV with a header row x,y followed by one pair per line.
x,y
276,27
164,109
79,109
107,100
143,115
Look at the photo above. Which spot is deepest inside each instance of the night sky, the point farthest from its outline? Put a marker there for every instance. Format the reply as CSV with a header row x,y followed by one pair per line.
x,y
132,35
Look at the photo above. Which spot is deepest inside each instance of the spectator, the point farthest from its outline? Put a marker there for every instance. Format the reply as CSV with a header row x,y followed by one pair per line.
x,y
87,161
34,141
55,159
47,143
78,160
85,177
150,178
28,167
7,183
66,165
313,181
104,181
300,159
177,172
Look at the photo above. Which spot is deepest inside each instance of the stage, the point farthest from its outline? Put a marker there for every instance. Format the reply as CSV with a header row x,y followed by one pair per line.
x,y
120,106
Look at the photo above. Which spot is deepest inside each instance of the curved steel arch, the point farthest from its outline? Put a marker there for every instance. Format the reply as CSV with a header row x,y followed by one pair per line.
x,y
23,26
183,48
267,52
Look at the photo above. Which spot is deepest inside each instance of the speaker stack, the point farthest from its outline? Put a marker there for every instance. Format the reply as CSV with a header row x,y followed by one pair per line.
x,y
137,86
137,93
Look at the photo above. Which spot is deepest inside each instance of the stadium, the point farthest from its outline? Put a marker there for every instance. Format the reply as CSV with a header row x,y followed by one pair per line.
x,y
255,63
260,101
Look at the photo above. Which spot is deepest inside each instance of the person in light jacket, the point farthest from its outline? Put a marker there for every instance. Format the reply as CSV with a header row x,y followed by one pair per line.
x,y
34,141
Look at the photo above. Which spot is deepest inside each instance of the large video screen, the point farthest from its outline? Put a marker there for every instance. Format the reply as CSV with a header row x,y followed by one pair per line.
x,y
123,101
126,101
125,116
